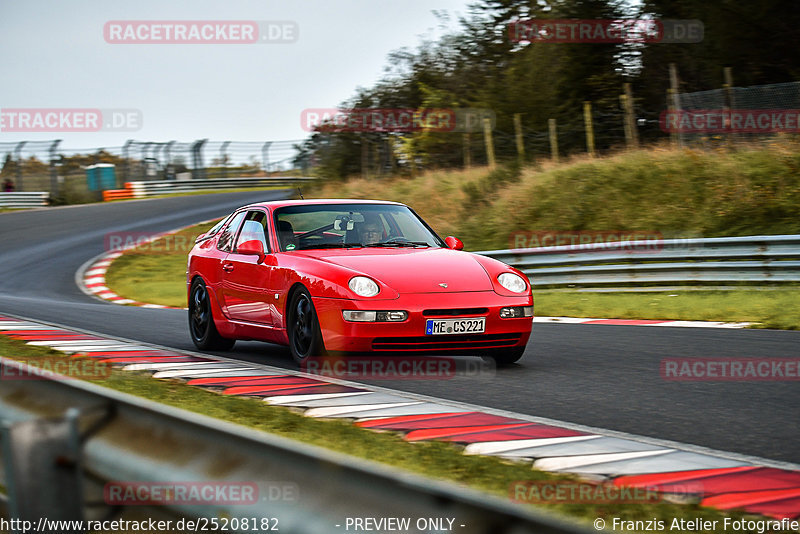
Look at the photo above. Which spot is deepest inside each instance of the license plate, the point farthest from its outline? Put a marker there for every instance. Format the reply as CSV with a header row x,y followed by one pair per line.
x,y
475,325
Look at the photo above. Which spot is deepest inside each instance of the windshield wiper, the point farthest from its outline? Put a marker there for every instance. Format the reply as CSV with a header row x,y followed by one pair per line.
x,y
394,243
331,245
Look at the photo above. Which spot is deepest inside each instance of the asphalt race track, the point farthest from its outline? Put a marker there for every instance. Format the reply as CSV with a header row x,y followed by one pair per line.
x,y
597,375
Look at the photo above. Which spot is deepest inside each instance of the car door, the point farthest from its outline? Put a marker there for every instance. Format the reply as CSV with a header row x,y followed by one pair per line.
x,y
246,278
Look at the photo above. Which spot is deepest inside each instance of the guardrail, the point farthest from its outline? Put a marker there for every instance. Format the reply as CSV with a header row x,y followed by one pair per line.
x,y
24,199
146,189
753,259
64,440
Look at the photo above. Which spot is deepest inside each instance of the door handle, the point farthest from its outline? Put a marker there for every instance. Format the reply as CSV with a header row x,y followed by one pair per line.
x,y
227,267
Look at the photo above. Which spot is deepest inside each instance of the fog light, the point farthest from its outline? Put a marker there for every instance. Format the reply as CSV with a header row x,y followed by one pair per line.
x,y
516,311
392,316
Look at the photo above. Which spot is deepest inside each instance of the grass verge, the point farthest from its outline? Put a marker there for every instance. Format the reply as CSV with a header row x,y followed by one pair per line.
x,y
752,190
156,272
767,309
439,460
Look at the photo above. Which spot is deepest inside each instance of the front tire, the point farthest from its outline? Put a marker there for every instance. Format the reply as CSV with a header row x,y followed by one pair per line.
x,y
505,356
201,321
305,338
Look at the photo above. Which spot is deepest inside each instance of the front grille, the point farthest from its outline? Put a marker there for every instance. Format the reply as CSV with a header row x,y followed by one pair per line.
x,y
453,342
455,311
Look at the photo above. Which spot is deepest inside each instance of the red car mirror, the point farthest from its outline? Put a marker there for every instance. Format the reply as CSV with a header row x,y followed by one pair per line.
x,y
254,247
454,243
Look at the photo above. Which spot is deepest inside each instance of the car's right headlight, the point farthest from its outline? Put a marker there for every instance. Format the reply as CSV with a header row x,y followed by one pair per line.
x,y
363,286
512,282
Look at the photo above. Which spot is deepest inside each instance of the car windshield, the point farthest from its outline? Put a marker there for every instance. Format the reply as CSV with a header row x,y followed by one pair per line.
x,y
351,226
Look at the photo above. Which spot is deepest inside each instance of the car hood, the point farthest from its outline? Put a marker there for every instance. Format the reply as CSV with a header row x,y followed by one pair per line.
x,y
409,270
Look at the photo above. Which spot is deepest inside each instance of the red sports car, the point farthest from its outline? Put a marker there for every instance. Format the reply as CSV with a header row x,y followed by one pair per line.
x,y
351,276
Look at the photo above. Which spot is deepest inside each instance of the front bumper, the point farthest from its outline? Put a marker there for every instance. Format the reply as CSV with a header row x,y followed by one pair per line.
x,y
409,335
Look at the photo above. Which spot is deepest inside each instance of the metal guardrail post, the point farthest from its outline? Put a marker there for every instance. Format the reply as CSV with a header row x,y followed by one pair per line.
x,y
40,450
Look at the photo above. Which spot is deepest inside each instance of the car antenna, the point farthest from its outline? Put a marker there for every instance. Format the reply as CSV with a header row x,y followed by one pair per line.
x,y
301,194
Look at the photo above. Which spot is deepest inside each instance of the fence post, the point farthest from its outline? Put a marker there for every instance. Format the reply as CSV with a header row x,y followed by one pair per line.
x,y
390,151
126,163
198,167
730,104
467,150
18,158
676,100
145,155
629,116
265,156
587,120
673,135
376,159
364,157
224,157
54,188
626,126
169,168
487,136
551,125
518,133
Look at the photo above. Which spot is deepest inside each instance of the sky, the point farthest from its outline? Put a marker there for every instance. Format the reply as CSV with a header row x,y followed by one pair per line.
x,y
56,56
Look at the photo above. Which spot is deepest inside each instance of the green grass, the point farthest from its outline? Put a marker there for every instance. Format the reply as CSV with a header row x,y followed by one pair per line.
x,y
156,273
769,309
439,460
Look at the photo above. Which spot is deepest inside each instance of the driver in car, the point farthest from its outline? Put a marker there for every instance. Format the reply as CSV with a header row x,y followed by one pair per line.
x,y
371,230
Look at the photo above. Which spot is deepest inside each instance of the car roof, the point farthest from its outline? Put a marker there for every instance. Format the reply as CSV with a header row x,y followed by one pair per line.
x,y
319,201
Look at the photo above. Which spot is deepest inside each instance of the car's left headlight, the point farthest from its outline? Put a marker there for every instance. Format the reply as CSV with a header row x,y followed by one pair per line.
x,y
512,282
363,286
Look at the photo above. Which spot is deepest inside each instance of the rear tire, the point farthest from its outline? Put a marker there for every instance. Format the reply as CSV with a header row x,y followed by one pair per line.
x,y
305,338
505,356
201,321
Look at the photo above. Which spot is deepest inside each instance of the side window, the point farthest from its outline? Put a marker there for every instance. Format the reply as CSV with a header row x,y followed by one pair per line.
x,y
225,242
254,228
214,229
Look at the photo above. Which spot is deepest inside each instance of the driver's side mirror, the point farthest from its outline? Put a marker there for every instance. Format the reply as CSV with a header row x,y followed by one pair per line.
x,y
254,247
454,243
